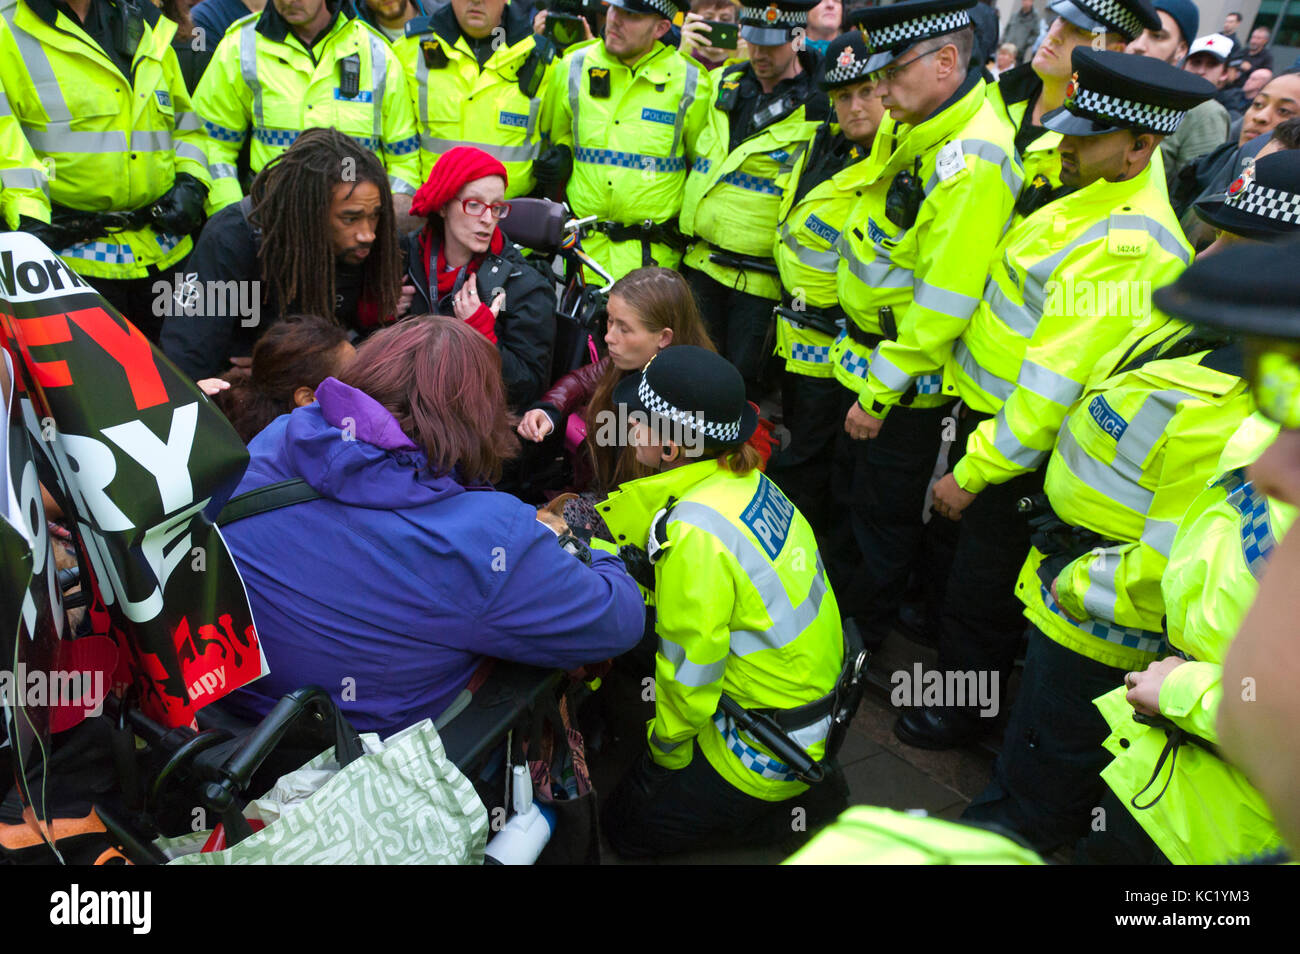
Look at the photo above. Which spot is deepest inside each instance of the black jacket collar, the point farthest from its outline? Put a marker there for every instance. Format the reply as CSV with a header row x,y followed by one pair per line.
x,y
1020,84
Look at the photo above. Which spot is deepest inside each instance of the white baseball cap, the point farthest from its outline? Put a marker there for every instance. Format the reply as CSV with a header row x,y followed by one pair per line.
x,y
1215,43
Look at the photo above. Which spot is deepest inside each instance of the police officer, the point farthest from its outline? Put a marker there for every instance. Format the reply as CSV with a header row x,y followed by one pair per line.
x,y
914,255
745,615
763,116
1191,805
1086,259
624,115
99,96
477,73
296,65
1029,92
1134,449
824,187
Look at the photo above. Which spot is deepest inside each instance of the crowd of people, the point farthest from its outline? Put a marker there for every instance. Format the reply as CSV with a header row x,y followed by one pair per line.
x,y
881,352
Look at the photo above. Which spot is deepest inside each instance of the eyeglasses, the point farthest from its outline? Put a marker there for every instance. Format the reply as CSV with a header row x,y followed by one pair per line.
x,y
476,208
894,70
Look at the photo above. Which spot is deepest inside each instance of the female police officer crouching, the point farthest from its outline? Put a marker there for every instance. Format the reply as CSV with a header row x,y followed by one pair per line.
x,y
390,587
744,611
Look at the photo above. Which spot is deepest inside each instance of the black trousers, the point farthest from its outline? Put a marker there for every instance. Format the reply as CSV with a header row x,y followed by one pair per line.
x,y
741,326
134,298
1116,838
813,410
879,485
1046,784
982,621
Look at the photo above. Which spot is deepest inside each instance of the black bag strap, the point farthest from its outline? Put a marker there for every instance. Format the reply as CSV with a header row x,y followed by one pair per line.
x,y
263,499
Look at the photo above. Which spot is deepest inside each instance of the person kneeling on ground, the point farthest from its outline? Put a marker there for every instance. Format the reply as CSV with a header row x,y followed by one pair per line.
x,y
462,264
744,610
391,587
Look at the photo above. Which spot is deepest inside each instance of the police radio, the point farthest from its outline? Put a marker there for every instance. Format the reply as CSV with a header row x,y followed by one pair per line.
x,y
903,200
350,76
1034,195
435,57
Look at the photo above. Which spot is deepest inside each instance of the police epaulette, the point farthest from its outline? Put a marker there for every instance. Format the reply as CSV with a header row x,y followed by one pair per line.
x,y
417,25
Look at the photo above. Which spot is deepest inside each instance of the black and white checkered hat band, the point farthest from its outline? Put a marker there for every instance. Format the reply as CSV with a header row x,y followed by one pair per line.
x,y
693,420
1112,11
664,7
1266,203
896,34
1162,119
846,74
758,16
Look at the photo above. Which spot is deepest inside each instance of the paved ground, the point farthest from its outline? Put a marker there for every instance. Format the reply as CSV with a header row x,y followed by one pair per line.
x,y
879,769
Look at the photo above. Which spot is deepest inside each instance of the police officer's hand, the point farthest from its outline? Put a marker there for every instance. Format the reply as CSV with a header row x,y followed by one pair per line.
x,y
1144,687
950,499
56,237
860,425
553,167
637,563
180,209
535,425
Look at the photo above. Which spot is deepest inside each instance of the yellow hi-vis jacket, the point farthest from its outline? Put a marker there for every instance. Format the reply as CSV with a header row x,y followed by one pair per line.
x,y
24,188
264,81
1132,454
1209,813
632,147
867,835
733,198
744,607
1068,284
804,249
457,103
930,275
1013,96
107,143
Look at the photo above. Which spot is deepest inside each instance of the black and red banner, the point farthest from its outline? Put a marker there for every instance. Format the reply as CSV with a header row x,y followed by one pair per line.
x,y
139,462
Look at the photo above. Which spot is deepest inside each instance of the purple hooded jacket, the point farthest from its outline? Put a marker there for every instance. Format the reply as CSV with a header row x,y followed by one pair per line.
x,y
401,581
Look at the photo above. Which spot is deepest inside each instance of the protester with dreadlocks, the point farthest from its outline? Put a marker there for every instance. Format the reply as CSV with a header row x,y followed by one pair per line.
x,y
316,235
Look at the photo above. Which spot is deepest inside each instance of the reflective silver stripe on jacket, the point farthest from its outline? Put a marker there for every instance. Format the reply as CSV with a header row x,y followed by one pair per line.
x,y
826,261
1013,175
1047,384
660,744
951,303
1009,445
688,97
878,273
575,90
223,170
24,179
985,380
1119,480
1140,639
687,673
1022,319
525,153
788,621
888,373
378,80
248,69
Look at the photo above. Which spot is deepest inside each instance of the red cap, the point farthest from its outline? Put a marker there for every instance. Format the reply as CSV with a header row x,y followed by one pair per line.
x,y
454,168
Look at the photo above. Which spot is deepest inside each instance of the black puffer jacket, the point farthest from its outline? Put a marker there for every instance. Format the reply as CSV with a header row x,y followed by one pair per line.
x,y
525,329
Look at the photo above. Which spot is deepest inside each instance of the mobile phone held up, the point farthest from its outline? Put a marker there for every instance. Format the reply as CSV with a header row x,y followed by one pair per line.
x,y
722,35
564,29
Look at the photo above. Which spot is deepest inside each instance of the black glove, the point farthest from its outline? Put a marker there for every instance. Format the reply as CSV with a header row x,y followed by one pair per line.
x,y
571,544
553,167
180,209
637,563
55,236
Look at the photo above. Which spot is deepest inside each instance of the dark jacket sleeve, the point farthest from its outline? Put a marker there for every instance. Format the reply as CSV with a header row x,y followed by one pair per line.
x,y
525,328
573,390
199,343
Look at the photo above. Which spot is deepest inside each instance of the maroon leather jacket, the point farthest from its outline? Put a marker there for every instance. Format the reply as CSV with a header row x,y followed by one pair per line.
x,y
570,394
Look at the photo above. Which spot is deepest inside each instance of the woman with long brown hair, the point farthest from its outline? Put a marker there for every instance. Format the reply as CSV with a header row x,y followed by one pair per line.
x,y
408,567
649,310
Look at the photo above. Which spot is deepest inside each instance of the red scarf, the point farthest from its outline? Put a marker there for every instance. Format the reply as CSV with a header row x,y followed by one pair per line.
x,y
482,321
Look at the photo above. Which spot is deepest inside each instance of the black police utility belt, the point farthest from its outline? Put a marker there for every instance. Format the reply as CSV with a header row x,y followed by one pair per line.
x,y
827,321
83,226
772,727
665,233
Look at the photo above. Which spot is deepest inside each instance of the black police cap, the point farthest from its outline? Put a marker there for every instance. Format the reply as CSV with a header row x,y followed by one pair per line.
x,y
890,31
845,61
1111,91
695,390
1126,17
1265,304
1262,203
663,8
774,23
